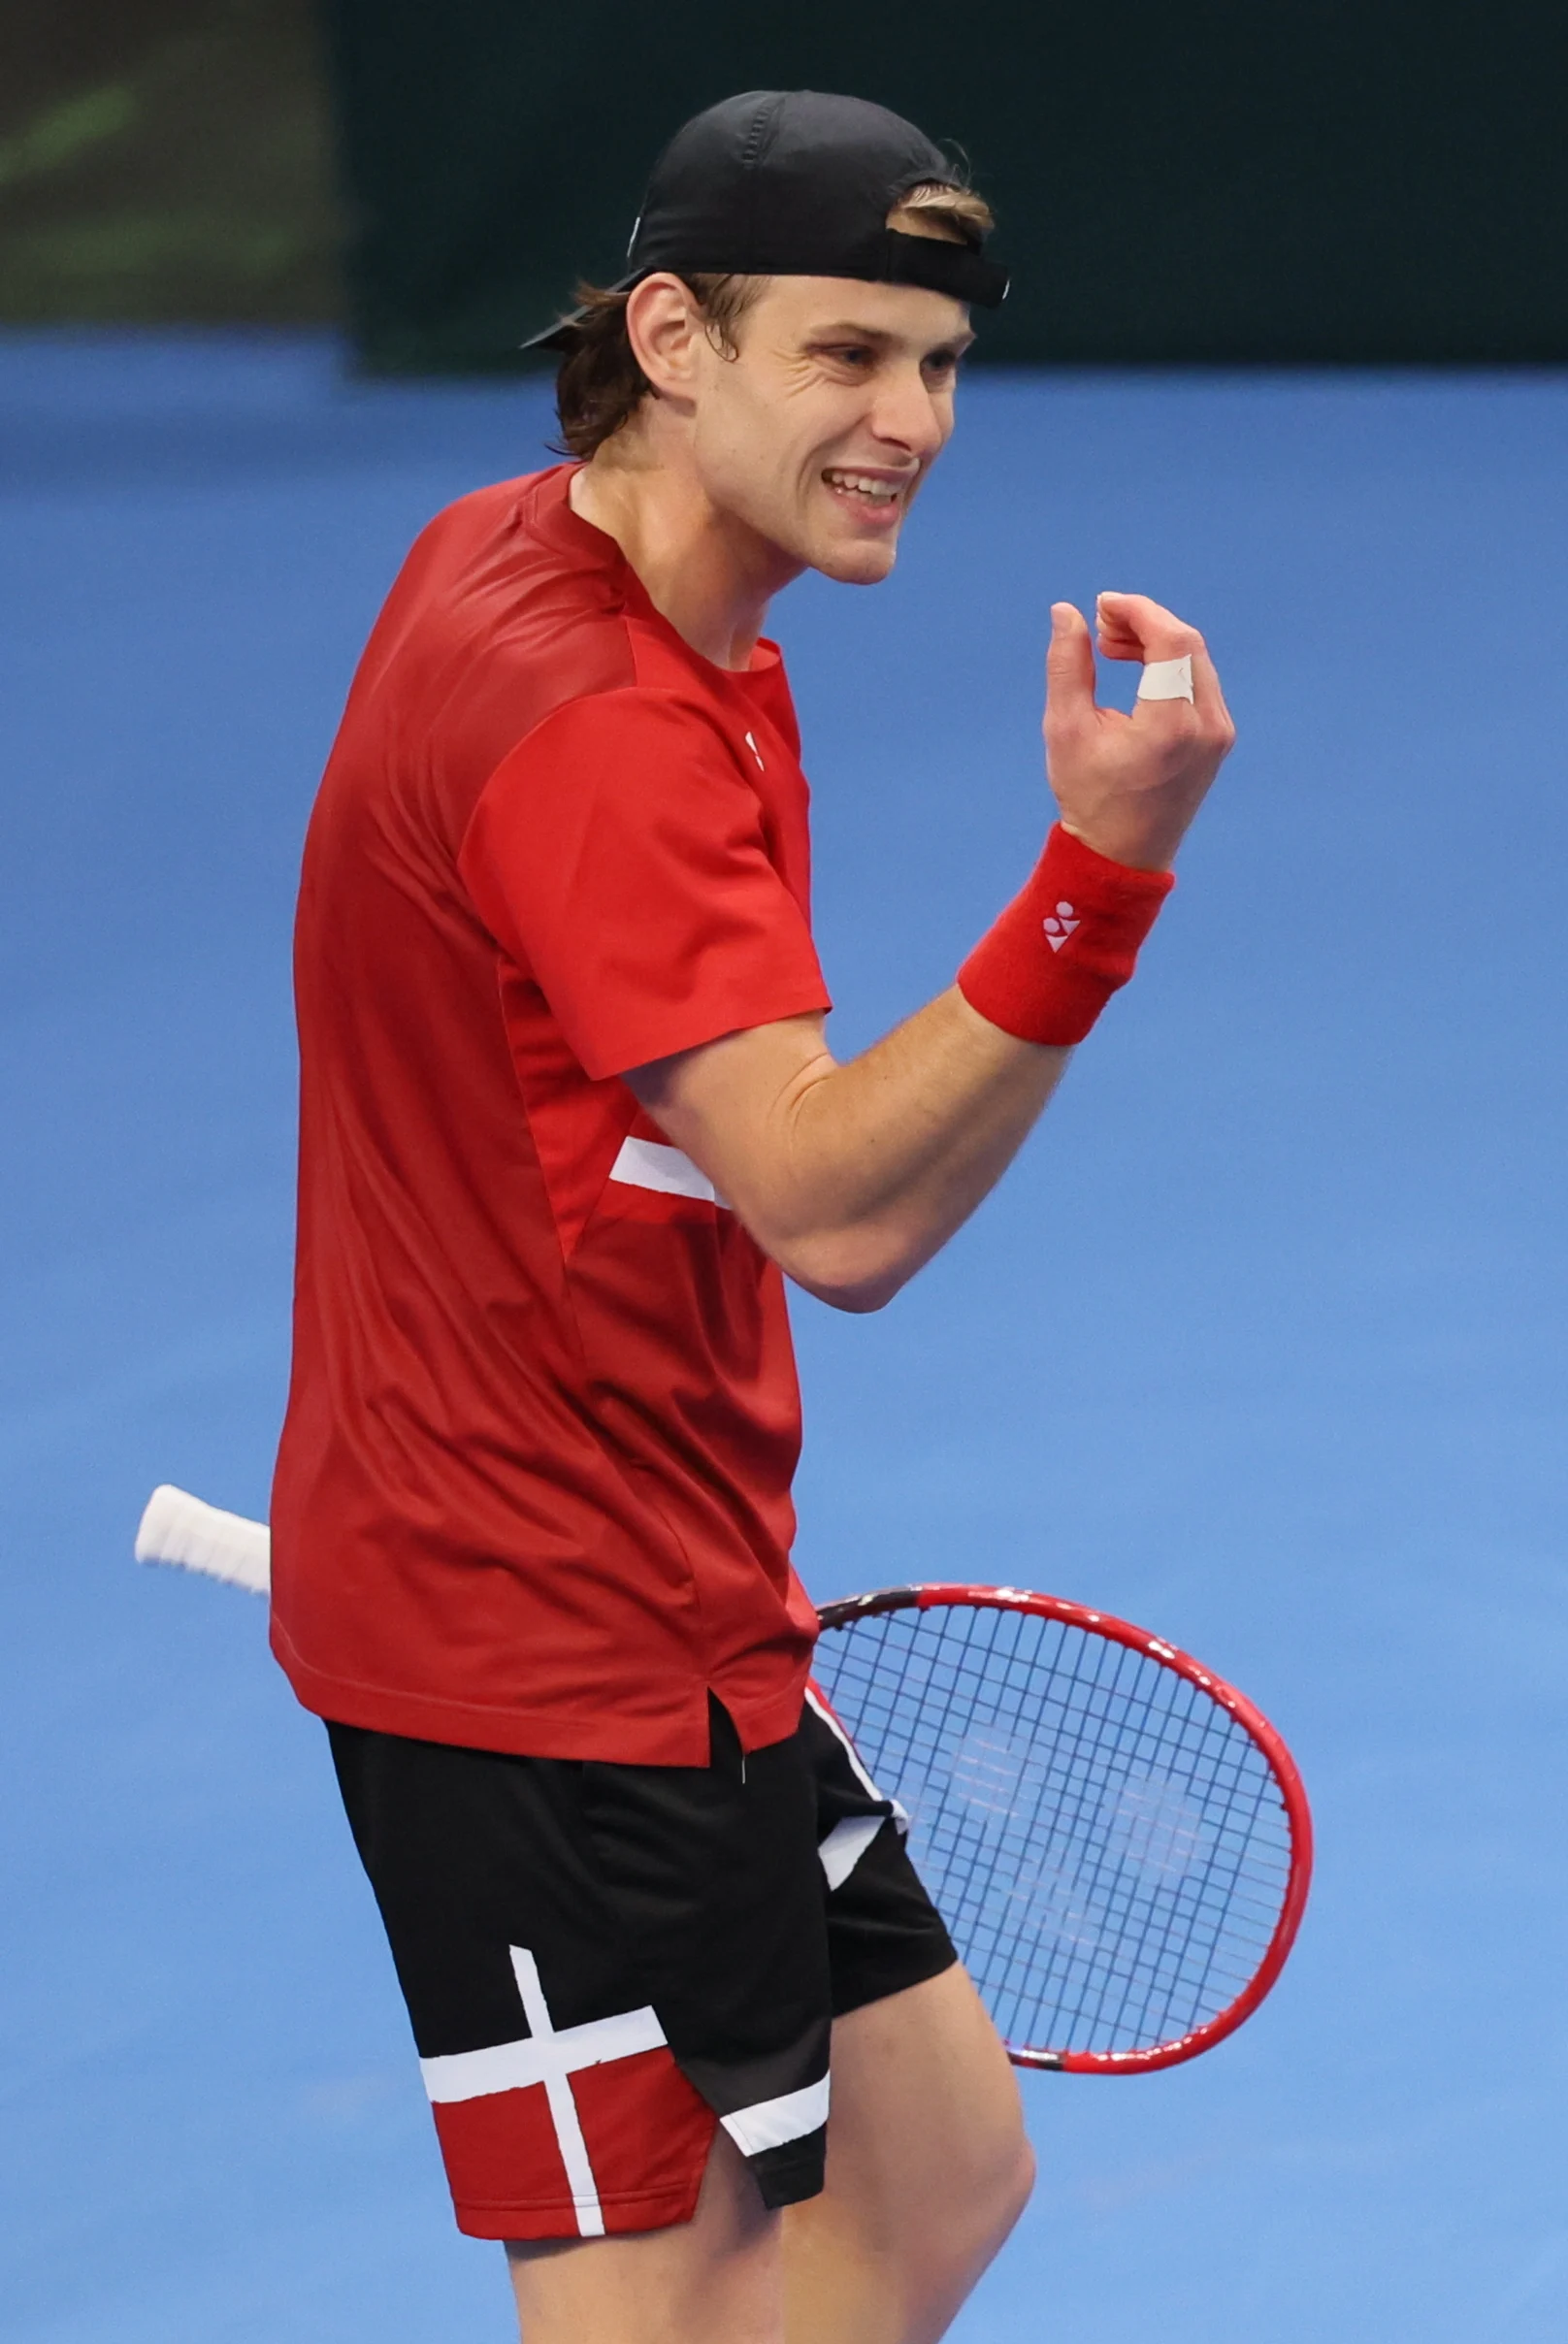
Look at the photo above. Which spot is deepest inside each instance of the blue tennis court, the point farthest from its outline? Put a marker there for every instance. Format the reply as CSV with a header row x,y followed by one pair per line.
x,y
1262,1344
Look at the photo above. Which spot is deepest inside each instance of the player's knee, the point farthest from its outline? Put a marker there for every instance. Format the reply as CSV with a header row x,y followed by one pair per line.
x,y
1003,2191
1017,2186
981,2201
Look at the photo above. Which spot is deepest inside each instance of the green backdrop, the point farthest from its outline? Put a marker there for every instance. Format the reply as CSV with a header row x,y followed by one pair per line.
x,y
1224,181
164,161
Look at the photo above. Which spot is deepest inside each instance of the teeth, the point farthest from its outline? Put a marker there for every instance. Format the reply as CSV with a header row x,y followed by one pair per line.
x,y
879,492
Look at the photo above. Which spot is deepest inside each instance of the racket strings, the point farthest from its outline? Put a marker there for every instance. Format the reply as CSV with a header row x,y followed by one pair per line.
x,y
1107,1844
1154,1739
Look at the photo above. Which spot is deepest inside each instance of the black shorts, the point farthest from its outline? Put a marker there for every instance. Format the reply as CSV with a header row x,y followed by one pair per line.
x,y
602,1963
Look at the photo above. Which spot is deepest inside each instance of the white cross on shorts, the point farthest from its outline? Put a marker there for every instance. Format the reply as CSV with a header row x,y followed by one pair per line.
x,y
552,2057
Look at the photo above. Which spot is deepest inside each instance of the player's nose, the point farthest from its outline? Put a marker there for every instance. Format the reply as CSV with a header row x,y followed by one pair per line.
x,y
907,414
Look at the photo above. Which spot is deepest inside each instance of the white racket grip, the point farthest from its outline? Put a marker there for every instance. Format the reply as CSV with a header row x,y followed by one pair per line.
x,y
179,1529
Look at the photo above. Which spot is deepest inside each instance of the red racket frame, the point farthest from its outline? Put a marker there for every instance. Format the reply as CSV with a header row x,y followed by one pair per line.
x,y
1281,1765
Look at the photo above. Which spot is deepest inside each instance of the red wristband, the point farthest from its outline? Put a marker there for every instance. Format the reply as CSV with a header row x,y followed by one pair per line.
x,y
1061,949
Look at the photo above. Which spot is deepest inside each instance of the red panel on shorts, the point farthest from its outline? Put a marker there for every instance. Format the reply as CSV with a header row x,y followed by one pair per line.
x,y
500,2153
647,2133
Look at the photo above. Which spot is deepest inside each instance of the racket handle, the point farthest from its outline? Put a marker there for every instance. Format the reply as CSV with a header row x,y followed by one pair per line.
x,y
179,1529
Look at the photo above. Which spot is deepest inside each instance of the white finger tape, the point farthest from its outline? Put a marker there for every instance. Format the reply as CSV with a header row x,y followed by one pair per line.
x,y
1168,679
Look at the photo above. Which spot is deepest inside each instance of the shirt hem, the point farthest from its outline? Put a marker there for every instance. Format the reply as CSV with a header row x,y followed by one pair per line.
x,y
681,1737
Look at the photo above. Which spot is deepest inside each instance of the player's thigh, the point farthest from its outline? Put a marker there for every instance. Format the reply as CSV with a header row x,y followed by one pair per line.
x,y
716,2279
929,2168
926,2106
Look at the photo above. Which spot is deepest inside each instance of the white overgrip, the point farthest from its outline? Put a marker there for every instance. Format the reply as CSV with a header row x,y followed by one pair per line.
x,y
179,1529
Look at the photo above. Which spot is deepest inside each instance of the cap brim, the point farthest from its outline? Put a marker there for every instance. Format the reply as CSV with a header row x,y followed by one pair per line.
x,y
559,336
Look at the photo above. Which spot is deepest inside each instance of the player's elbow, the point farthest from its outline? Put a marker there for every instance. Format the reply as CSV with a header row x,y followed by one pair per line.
x,y
850,1269
859,1299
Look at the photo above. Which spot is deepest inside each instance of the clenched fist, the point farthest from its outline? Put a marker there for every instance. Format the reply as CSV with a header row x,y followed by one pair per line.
x,y
1129,786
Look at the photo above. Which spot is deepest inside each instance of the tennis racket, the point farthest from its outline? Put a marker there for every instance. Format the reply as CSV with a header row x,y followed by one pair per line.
x,y
1119,1841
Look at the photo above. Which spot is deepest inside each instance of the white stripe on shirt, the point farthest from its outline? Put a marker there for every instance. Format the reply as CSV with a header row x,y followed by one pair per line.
x,y
644,1163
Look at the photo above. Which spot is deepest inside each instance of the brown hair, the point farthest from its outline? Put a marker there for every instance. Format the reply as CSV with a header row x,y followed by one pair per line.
x,y
600,385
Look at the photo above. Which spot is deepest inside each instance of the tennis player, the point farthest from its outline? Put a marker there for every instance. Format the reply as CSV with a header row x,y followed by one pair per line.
x,y
696,2041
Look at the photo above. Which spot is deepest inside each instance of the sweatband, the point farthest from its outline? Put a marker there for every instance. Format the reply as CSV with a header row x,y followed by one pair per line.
x,y
1049,965
1167,679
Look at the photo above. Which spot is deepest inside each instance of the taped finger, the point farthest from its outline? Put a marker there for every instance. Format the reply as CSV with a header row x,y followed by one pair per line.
x,y
1168,679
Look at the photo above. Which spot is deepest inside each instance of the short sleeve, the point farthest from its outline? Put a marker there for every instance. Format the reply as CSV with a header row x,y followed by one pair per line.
x,y
623,861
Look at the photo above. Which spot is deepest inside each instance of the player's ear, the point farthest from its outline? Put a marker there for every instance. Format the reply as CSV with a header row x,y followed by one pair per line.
x,y
666,330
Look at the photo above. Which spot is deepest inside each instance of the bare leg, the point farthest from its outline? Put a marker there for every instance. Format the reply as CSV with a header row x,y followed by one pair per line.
x,y
928,2170
713,2280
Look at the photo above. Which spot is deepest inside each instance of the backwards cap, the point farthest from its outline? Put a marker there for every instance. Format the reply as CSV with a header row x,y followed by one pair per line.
x,y
796,182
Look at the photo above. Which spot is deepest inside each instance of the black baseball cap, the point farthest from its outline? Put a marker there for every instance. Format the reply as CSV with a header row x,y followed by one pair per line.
x,y
796,182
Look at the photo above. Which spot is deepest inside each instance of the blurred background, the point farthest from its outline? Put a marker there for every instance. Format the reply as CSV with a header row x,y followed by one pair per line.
x,y
1343,181
1264,1341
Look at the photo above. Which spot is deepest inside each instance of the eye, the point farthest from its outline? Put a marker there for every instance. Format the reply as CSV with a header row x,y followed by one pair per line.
x,y
858,356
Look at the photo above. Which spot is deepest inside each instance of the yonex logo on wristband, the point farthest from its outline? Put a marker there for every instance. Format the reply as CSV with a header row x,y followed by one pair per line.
x,y
1045,998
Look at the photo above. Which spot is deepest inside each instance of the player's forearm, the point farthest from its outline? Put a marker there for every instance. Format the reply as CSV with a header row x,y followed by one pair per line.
x,y
886,1156
851,1176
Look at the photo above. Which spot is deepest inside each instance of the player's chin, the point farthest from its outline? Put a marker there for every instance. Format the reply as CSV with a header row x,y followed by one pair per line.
x,y
854,561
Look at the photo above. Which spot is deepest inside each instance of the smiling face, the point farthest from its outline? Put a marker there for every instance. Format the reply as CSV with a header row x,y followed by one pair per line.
x,y
813,432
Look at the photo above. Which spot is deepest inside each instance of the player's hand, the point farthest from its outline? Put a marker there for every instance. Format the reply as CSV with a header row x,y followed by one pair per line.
x,y
1129,786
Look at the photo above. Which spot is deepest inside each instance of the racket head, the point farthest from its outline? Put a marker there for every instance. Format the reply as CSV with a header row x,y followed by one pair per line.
x,y
1119,1841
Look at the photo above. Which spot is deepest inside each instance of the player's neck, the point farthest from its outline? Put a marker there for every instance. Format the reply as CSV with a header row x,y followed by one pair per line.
x,y
705,572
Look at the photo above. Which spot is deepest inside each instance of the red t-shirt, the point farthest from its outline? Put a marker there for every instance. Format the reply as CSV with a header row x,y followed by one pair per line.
x,y
533,1487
